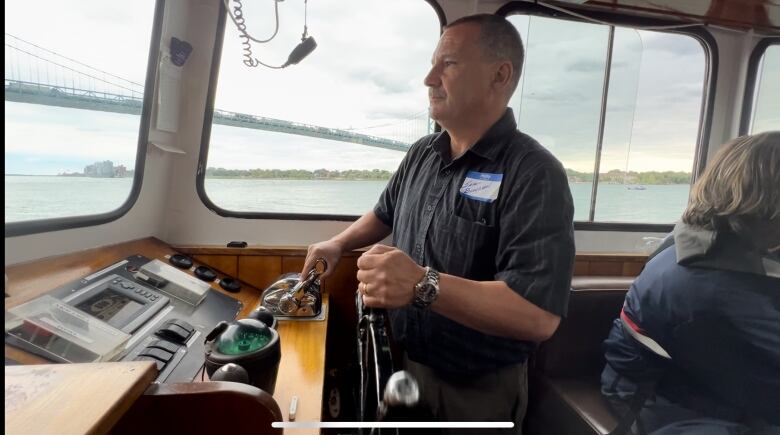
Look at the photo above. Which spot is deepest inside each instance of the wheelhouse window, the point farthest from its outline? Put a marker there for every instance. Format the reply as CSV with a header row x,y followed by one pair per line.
x,y
74,88
766,104
643,88
324,136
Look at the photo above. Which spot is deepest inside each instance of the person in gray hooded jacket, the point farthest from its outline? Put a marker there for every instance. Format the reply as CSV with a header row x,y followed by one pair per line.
x,y
698,339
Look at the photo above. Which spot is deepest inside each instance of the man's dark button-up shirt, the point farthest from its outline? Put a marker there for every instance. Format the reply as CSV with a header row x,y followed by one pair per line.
x,y
501,211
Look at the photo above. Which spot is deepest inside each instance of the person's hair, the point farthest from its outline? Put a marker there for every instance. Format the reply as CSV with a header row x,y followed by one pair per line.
x,y
739,188
499,40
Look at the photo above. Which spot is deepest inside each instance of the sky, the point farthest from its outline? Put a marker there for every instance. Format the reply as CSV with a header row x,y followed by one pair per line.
x,y
110,36
366,74
651,108
767,105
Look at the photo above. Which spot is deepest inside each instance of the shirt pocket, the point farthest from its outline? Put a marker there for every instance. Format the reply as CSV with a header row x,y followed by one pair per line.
x,y
478,212
468,247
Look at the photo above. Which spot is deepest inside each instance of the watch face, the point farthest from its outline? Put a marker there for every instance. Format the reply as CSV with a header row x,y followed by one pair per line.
x,y
428,292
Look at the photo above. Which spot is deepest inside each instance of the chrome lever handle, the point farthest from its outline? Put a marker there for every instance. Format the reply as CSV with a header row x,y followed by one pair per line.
x,y
289,303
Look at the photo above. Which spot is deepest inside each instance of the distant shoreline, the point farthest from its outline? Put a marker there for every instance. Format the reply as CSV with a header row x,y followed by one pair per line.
x,y
375,179
58,175
614,177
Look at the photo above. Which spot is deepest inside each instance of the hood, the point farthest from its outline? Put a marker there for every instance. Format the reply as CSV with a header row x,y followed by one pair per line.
x,y
698,247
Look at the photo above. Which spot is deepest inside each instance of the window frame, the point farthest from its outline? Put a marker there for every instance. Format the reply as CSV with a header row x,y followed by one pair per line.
x,y
205,140
23,228
708,96
750,82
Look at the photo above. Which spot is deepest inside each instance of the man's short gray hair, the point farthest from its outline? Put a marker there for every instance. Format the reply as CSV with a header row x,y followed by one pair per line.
x,y
499,40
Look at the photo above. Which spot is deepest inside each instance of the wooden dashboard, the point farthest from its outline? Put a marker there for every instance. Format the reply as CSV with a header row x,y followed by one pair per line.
x,y
302,368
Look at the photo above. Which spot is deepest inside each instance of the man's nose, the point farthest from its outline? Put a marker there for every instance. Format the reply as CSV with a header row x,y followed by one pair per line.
x,y
432,80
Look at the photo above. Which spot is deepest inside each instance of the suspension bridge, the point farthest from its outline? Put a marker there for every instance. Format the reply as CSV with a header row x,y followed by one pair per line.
x,y
36,75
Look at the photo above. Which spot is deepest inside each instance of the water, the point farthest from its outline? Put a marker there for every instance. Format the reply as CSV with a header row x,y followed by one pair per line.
x,y
38,197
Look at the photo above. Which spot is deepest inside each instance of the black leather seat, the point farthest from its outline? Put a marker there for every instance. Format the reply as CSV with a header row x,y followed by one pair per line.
x,y
564,388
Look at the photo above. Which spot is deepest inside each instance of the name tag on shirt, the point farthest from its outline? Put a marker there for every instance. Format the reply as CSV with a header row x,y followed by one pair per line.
x,y
481,186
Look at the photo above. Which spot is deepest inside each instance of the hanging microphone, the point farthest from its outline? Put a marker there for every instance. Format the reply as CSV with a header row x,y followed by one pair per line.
x,y
303,49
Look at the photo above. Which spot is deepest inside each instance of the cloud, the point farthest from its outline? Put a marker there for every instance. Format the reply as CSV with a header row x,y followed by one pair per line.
x,y
652,107
679,46
46,133
385,80
249,149
553,95
109,36
364,71
586,66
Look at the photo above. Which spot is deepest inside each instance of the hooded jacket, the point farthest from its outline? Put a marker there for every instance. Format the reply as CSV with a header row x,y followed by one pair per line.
x,y
713,303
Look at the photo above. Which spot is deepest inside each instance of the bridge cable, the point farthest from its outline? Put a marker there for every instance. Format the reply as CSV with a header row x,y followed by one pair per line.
x,y
72,60
71,69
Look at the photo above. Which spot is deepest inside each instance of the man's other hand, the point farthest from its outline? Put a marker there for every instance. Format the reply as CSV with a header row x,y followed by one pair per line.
x,y
387,277
329,250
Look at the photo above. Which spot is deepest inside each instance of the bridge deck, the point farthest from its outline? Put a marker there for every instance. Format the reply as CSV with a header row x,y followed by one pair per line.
x,y
33,93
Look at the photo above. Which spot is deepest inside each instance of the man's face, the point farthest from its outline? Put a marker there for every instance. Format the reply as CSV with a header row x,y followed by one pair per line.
x,y
459,83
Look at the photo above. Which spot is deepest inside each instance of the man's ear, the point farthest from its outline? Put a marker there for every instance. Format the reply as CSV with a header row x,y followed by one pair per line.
x,y
503,76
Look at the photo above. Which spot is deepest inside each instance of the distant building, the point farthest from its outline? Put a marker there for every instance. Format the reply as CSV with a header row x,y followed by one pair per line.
x,y
100,169
120,171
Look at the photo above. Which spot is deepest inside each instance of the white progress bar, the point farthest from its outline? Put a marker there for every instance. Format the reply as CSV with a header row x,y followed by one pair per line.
x,y
391,424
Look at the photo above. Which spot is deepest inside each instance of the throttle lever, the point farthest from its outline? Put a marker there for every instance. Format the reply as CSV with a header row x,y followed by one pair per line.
x,y
291,301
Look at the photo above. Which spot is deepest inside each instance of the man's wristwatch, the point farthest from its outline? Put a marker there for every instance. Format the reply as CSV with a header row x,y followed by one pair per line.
x,y
426,291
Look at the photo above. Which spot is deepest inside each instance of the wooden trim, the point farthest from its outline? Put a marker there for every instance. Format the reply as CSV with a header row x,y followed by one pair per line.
x,y
227,264
609,264
294,251
598,256
287,251
586,263
61,398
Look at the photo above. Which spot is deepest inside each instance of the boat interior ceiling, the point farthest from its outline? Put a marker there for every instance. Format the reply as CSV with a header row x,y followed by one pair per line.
x,y
758,15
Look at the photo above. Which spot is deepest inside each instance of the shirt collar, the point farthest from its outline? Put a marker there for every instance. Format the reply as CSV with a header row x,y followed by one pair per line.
x,y
487,146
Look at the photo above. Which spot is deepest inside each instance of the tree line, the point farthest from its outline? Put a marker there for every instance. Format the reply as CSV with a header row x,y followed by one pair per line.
x,y
617,176
301,174
614,176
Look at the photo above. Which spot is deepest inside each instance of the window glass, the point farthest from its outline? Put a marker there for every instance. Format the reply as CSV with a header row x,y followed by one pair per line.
x,y
74,86
322,136
651,119
766,109
559,99
651,128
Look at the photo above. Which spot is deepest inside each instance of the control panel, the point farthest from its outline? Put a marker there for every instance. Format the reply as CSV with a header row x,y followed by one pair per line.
x,y
162,327
118,301
166,347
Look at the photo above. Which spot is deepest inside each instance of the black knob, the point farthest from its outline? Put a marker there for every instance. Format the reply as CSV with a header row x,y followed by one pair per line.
x,y
230,284
181,261
205,273
264,315
231,373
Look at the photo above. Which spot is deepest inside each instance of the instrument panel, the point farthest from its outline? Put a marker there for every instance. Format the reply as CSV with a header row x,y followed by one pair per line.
x,y
162,328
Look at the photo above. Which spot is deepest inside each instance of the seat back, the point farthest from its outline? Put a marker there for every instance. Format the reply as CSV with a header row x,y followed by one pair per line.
x,y
575,348
201,407
564,389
